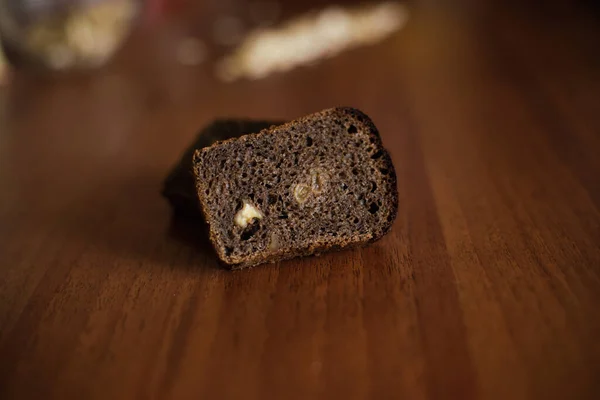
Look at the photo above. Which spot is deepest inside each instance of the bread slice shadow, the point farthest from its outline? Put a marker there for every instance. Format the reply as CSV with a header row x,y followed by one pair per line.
x,y
123,221
192,233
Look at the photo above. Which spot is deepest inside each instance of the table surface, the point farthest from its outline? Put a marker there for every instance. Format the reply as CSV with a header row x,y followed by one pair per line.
x,y
488,285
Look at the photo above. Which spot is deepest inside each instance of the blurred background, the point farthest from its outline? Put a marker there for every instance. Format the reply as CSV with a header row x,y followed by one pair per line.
x,y
489,109
109,80
174,51
102,91
218,41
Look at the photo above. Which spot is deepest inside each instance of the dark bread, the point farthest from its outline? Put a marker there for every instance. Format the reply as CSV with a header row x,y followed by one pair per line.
x,y
319,183
180,185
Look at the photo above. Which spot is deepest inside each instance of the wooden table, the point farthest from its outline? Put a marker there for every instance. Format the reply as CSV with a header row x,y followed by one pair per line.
x,y
488,285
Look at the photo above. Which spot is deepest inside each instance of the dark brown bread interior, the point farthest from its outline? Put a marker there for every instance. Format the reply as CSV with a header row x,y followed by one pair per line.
x,y
319,183
180,187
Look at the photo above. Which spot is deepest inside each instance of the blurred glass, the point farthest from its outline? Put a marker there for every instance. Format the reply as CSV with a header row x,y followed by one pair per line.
x,y
66,34
3,67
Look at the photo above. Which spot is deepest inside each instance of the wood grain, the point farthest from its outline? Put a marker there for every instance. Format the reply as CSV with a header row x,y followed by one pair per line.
x,y
488,285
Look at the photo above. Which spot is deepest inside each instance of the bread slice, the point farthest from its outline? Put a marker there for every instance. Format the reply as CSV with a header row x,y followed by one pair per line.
x,y
322,182
180,187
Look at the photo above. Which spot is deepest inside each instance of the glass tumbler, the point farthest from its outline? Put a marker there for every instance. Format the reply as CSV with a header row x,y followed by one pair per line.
x,y
65,34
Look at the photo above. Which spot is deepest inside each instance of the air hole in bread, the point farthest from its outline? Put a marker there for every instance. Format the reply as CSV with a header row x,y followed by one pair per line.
x,y
250,231
239,205
377,155
373,208
352,129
